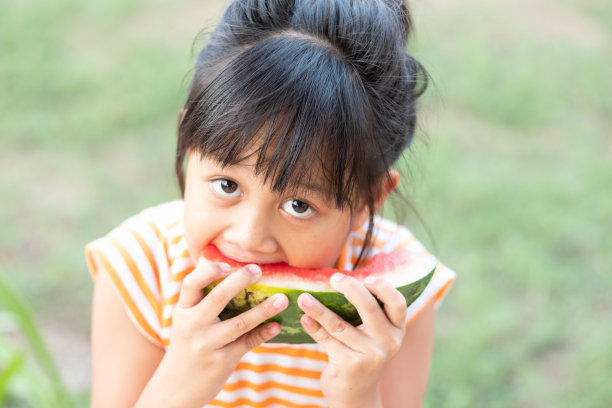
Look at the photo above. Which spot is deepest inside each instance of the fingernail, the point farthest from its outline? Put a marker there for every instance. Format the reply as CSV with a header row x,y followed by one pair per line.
x,y
336,277
306,321
254,269
278,300
273,329
370,280
224,268
307,299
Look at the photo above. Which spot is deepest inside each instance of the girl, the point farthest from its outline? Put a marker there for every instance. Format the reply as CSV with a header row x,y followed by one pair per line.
x,y
296,112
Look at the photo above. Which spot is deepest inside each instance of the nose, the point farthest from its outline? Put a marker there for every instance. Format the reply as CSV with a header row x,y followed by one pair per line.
x,y
252,232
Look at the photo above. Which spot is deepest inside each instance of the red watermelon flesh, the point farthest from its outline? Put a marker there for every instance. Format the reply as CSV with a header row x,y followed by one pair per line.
x,y
408,272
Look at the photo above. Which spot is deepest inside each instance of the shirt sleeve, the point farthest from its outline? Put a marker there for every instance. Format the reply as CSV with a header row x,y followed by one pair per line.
x,y
132,254
441,281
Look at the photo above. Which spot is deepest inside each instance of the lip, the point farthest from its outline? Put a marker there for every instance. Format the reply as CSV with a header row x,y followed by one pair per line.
x,y
244,258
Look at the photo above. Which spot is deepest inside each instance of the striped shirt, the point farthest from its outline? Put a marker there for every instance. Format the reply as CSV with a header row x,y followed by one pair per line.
x,y
147,259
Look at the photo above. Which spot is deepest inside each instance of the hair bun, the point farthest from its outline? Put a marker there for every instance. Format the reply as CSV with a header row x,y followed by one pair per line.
x,y
248,20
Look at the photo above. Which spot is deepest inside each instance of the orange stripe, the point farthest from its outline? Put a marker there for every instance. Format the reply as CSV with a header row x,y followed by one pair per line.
x,y
354,260
177,239
442,291
272,384
161,239
172,300
342,258
242,402
174,224
261,368
91,263
376,243
147,251
179,276
157,232
292,352
418,313
435,298
166,322
184,254
378,225
127,299
146,290
405,243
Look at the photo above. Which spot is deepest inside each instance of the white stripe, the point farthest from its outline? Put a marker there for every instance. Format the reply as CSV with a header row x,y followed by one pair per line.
x,y
260,378
402,234
180,264
259,396
134,250
167,311
164,334
124,274
284,361
441,277
144,229
173,288
175,250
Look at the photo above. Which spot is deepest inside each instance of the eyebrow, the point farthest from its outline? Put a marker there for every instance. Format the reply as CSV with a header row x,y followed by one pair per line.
x,y
318,189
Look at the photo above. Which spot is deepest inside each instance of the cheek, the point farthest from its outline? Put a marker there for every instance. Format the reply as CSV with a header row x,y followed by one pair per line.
x,y
198,228
319,247
194,237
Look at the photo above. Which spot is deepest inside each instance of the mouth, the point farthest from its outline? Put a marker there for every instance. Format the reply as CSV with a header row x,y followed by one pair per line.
x,y
213,253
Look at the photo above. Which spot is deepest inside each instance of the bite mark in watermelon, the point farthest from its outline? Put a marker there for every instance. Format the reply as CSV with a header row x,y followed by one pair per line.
x,y
406,271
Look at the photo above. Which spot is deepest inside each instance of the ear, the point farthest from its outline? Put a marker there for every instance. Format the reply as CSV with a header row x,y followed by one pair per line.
x,y
389,183
183,111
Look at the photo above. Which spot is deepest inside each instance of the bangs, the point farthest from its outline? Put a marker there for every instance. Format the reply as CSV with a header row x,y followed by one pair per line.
x,y
299,107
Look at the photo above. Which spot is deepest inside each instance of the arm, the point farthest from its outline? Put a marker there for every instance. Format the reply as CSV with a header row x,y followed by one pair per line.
x,y
121,367
382,363
129,370
404,380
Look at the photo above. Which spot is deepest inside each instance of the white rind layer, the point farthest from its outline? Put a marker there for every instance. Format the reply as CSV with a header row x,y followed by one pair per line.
x,y
404,274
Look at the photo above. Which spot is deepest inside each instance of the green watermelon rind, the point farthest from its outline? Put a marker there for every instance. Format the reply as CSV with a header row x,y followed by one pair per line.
x,y
289,319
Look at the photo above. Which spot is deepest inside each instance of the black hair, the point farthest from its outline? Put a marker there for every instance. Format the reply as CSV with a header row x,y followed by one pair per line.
x,y
308,84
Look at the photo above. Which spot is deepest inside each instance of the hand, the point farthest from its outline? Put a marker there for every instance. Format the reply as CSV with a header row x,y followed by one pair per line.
x,y
204,350
357,356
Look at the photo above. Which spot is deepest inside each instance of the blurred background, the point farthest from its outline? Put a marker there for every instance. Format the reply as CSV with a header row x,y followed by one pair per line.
x,y
512,174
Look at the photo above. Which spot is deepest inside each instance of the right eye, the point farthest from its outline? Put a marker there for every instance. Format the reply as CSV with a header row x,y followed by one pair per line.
x,y
226,188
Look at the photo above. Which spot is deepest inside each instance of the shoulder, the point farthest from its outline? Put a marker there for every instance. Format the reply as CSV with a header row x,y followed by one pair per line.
x,y
152,227
389,236
140,239
165,219
138,256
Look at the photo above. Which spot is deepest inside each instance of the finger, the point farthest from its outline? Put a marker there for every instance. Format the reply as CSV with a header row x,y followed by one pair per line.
x,y
205,273
331,345
372,315
216,300
254,338
236,327
394,302
335,327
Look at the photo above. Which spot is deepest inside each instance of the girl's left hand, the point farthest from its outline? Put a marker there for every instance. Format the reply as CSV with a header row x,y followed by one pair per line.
x,y
357,355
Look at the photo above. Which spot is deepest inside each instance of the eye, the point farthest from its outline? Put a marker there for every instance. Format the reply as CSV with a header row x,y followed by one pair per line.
x,y
226,188
297,208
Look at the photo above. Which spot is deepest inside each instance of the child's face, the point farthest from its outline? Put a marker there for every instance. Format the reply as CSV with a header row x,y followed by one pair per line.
x,y
233,209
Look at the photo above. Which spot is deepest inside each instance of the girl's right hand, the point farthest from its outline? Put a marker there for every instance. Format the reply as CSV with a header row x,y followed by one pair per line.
x,y
204,350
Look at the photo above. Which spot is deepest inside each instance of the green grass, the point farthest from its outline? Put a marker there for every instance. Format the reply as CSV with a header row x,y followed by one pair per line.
x,y
28,372
512,173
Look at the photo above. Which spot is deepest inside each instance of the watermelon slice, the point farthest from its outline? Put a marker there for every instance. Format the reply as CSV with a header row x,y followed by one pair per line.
x,y
408,272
